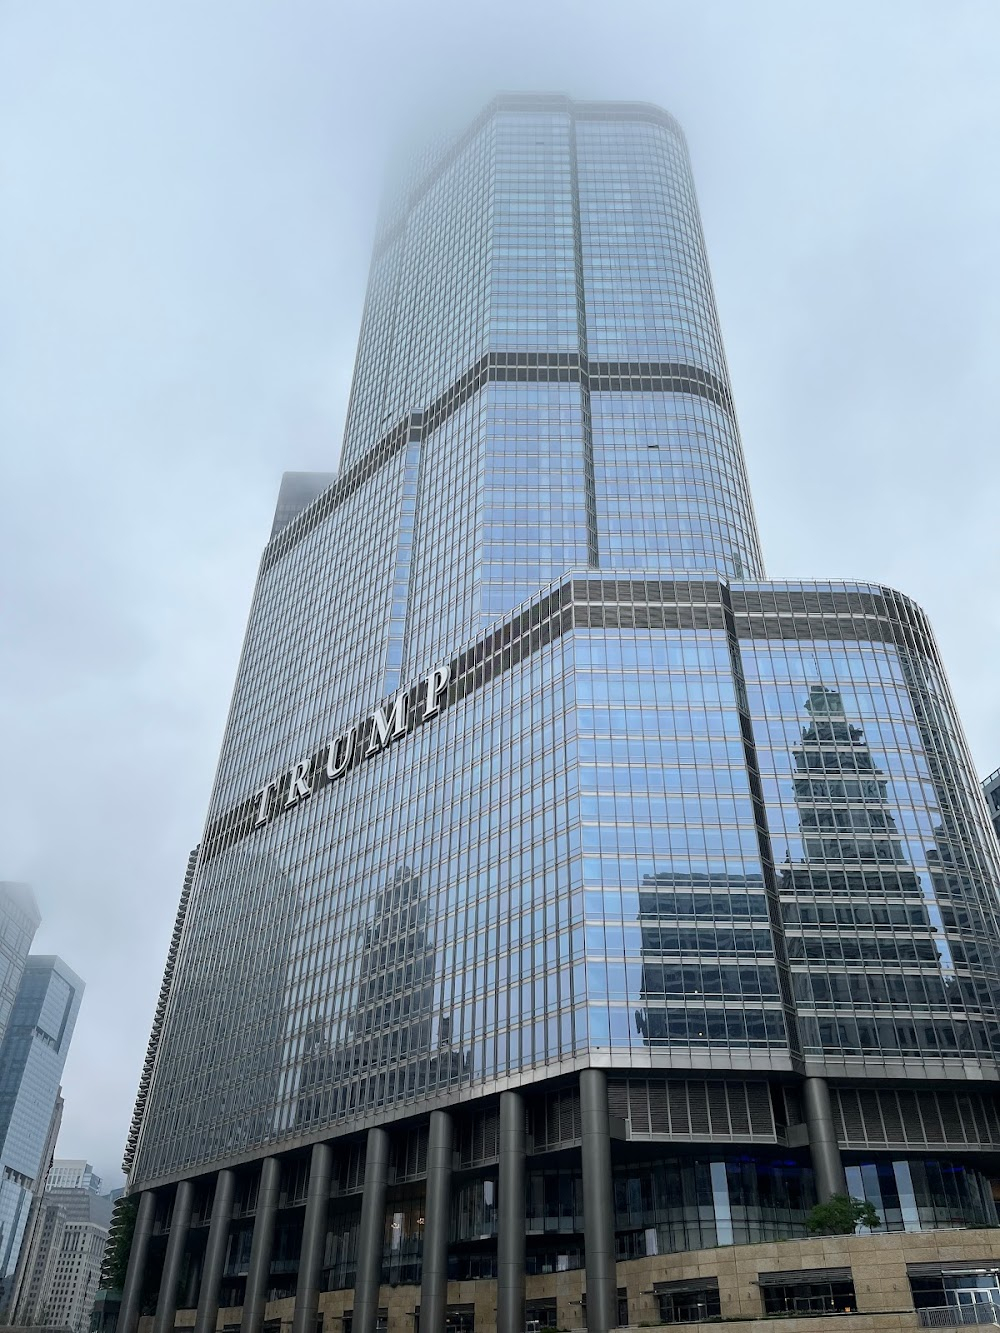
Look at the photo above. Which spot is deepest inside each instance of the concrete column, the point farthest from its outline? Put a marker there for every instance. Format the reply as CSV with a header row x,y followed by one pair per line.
x,y
511,1229
437,1224
313,1240
598,1202
128,1314
260,1247
188,1298
215,1253
371,1232
180,1220
823,1145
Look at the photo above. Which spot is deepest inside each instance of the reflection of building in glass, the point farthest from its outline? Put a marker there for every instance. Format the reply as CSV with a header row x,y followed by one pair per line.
x,y
709,976
570,895
845,811
865,941
393,1026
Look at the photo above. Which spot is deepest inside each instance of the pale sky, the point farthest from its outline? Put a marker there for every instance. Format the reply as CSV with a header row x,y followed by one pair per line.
x,y
188,198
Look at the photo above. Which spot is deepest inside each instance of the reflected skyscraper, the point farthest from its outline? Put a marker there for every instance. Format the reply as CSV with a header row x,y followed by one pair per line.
x,y
617,901
393,1024
873,964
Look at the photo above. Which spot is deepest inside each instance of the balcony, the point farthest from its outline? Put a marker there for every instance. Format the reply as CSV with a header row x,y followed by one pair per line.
x,y
953,1316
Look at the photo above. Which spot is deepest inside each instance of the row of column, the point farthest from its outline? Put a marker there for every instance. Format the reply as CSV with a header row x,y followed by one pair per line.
x,y
598,1205
215,1257
598,1235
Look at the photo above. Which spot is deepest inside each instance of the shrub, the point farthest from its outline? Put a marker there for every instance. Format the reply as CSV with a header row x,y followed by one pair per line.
x,y
841,1215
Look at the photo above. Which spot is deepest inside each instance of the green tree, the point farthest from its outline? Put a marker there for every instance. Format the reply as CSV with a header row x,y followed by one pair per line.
x,y
841,1215
116,1256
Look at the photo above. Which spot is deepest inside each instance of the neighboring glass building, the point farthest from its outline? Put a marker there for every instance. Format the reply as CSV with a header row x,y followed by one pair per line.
x,y
569,894
32,1056
19,919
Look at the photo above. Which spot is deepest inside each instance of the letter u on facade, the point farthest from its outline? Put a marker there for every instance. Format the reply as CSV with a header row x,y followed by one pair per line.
x,y
340,753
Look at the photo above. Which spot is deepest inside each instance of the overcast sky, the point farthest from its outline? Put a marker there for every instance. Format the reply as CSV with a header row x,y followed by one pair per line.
x,y
188,195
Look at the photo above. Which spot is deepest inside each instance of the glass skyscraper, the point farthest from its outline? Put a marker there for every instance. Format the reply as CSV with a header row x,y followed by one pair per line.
x,y
32,1055
19,919
570,895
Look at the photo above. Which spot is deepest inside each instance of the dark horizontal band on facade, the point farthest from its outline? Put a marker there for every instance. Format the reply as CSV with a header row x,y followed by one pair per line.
x,y
709,1111
676,1109
499,367
700,1110
754,611
641,113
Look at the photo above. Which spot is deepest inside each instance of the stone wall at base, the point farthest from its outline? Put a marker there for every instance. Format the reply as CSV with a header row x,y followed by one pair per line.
x,y
878,1265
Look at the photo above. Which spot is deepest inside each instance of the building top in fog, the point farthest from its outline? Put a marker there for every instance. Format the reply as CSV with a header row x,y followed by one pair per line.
x,y
298,490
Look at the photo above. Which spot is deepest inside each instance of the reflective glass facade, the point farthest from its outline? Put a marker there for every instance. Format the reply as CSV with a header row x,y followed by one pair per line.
x,y
530,774
647,823
32,1056
19,919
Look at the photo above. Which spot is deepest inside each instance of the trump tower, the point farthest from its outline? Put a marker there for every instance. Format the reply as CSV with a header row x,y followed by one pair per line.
x,y
576,908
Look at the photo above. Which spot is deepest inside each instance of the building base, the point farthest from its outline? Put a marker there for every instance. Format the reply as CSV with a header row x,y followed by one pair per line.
x,y
879,1268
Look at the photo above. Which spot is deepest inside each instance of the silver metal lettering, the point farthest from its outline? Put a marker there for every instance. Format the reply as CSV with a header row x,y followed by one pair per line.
x,y
298,781
340,753
264,809
388,723
386,729
435,684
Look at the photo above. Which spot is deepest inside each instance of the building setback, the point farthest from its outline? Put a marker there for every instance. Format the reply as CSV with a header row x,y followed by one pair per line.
x,y
571,896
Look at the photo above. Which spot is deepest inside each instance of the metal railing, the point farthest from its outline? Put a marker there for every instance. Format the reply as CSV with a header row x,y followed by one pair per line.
x,y
954,1316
